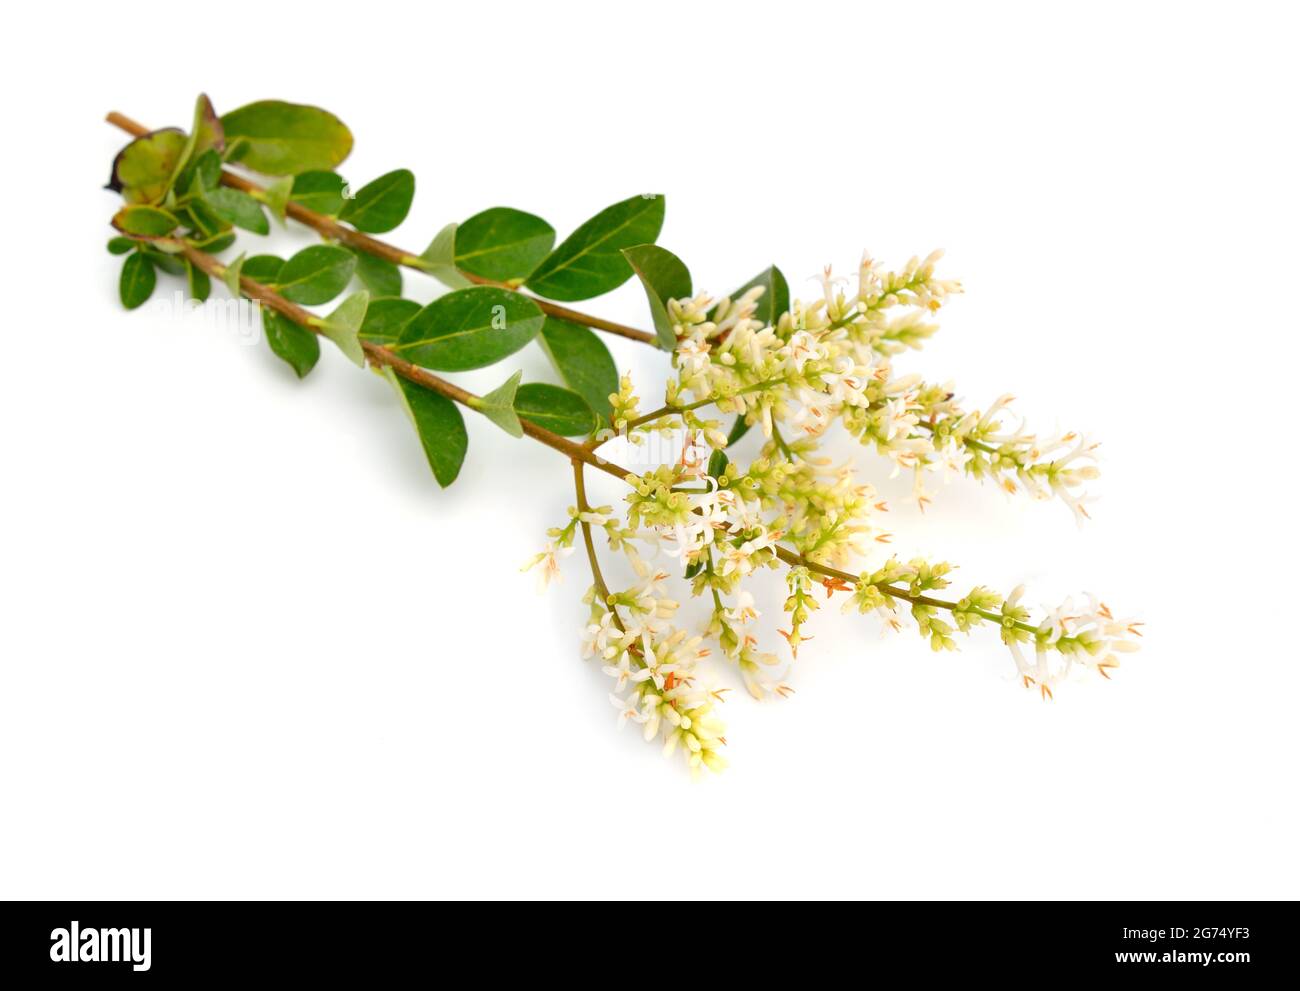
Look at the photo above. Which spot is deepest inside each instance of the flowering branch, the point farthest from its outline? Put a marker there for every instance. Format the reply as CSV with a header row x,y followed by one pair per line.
x,y
788,366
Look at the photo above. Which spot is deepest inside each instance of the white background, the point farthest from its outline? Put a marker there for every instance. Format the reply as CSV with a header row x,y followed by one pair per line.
x,y
251,650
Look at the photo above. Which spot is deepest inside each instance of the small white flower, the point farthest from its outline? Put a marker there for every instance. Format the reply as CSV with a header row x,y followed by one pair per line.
x,y
627,710
597,637
550,565
694,356
829,282
846,385
743,612
800,349
621,672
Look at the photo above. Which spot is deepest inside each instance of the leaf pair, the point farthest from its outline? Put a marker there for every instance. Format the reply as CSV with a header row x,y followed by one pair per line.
x,y
508,245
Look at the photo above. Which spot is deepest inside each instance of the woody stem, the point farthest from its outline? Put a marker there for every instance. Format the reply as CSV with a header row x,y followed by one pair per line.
x,y
379,355
598,579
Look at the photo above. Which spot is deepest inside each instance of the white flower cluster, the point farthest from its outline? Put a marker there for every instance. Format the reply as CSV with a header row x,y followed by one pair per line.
x,y
831,359
1066,638
655,678
721,523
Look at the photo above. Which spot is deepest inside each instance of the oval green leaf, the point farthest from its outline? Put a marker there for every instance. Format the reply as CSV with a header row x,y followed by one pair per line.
x,y
582,361
558,410
298,346
718,461
319,191
169,263
203,219
144,169
738,430
279,138
469,328
208,133
502,243
201,173
137,281
238,208
215,244
316,274
664,276
776,295
146,221
198,282
385,319
381,205
381,277
590,260
263,268
439,424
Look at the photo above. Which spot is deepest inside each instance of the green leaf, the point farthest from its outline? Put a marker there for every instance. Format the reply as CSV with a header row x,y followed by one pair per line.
x,y
381,205
203,172
502,243
203,218
558,410
717,464
439,259
215,244
316,274
146,221
664,277
138,280
583,361
263,268
209,134
278,138
120,245
381,277
296,345
738,430
319,191
276,195
144,169
231,277
238,208
344,323
199,284
499,406
776,295
170,264
385,319
590,260
205,135
439,425
469,328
